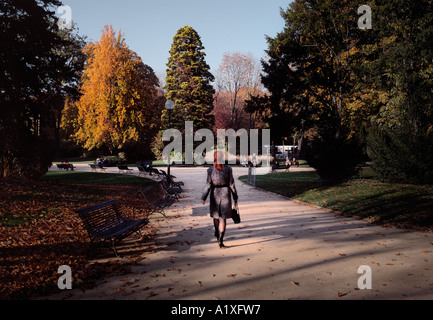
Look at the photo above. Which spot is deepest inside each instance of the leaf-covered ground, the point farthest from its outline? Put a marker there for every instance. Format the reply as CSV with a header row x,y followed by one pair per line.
x,y
39,232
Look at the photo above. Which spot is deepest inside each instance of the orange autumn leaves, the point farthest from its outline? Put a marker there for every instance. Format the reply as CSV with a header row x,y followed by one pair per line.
x,y
39,231
120,101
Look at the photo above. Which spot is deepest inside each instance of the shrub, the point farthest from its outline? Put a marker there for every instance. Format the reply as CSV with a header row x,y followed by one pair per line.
x,y
401,154
334,159
114,160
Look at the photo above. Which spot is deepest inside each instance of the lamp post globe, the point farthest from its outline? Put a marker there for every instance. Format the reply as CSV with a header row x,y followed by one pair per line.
x,y
169,105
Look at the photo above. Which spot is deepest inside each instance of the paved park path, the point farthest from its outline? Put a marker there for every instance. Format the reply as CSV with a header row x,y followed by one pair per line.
x,y
281,250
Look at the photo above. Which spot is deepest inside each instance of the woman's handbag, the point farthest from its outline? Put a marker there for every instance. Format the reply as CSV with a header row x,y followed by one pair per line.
x,y
235,214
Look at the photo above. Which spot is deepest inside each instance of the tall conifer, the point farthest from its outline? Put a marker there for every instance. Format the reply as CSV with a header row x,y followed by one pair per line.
x,y
188,82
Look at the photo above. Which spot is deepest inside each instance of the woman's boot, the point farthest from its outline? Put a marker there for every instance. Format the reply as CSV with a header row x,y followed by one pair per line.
x,y
217,234
221,243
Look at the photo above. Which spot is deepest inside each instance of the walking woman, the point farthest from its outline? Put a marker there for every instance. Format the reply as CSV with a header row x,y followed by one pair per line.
x,y
221,186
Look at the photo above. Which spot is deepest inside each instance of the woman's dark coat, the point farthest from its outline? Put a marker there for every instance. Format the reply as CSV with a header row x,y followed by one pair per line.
x,y
221,186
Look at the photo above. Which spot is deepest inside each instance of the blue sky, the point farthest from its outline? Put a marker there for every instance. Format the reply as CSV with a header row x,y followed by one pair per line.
x,y
150,25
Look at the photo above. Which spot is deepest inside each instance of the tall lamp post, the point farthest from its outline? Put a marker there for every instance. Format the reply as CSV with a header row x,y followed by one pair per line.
x,y
169,105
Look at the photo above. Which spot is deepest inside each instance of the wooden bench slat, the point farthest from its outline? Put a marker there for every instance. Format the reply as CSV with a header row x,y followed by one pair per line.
x,y
104,221
122,230
170,179
124,168
95,167
172,191
66,166
157,199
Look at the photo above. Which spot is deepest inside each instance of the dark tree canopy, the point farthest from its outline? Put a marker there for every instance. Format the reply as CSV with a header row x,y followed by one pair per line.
x,y
40,66
336,81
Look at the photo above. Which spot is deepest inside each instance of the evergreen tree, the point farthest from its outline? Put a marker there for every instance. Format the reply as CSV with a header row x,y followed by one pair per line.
x,y
188,82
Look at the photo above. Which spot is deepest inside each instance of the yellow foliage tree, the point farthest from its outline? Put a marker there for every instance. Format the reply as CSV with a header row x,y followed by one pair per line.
x,y
120,102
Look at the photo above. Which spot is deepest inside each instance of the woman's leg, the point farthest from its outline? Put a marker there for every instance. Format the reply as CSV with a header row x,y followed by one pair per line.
x,y
216,224
222,224
222,231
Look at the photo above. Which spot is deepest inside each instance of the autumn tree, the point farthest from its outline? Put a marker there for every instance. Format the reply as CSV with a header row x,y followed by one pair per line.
x,y
120,104
40,66
237,80
188,82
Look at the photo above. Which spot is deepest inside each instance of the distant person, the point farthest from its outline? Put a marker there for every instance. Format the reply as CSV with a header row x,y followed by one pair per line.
x,y
275,166
287,164
67,166
221,187
254,160
244,161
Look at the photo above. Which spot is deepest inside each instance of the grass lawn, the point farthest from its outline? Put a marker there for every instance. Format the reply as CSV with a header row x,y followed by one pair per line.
x,y
400,205
39,230
95,178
